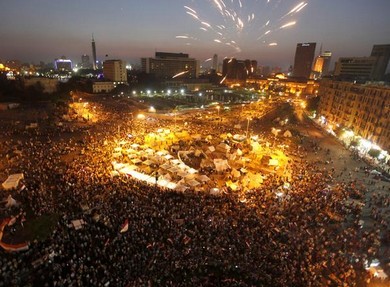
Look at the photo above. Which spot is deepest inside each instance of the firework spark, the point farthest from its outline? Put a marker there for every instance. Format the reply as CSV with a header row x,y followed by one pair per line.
x,y
288,24
234,22
179,74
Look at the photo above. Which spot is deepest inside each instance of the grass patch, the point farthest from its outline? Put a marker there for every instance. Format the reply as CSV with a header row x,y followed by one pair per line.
x,y
41,227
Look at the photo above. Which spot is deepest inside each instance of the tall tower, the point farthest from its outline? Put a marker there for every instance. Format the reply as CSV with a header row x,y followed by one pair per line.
x,y
215,62
94,53
304,56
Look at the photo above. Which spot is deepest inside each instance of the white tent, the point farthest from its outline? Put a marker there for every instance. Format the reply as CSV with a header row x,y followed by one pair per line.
x,y
78,223
223,146
215,191
148,162
197,137
287,134
238,137
12,181
203,178
10,202
114,173
198,153
235,173
127,168
211,148
221,164
193,182
168,156
181,188
116,154
135,146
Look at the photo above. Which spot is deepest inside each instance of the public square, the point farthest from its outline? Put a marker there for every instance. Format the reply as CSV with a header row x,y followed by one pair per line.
x,y
116,193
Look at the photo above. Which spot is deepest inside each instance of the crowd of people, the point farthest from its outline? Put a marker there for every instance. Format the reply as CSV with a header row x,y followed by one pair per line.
x,y
308,233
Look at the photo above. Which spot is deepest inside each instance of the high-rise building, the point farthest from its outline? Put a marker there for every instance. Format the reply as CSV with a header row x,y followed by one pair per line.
x,y
303,61
215,63
234,69
363,108
115,71
63,64
171,65
94,64
85,63
382,55
355,68
322,63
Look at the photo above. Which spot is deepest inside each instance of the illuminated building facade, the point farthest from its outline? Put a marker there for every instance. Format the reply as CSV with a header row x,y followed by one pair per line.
x,y
101,87
303,61
171,65
364,109
63,65
115,71
286,86
321,64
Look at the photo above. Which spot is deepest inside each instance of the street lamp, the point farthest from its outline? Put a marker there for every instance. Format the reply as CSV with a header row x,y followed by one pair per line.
x,y
247,126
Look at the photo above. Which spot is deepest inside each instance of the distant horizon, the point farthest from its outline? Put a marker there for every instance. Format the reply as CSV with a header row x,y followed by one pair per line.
x,y
263,30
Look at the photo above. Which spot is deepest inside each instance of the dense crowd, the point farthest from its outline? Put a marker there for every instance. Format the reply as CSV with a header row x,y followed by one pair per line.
x,y
306,234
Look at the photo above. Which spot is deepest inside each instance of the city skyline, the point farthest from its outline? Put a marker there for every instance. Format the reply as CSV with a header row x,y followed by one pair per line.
x,y
267,30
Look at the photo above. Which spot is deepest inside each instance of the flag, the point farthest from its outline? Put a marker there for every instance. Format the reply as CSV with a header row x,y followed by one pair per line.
x,y
125,226
186,239
107,242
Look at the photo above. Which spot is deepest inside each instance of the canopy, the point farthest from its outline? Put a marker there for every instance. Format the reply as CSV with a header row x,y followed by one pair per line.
x,y
12,181
215,191
287,134
221,164
10,202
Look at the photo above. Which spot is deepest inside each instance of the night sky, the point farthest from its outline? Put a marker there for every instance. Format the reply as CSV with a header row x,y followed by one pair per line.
x,y
35,30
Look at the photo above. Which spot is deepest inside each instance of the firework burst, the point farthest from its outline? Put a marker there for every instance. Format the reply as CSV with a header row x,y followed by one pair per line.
x,y
230,23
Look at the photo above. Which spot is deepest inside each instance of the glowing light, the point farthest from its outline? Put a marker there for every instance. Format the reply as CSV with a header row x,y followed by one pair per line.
x,y
193,15
273,44
365,144
179,74
189,8
301,8
296,7
288,24
239,23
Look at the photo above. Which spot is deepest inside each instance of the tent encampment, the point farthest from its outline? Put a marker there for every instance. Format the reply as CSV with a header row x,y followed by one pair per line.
x,y
12,181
